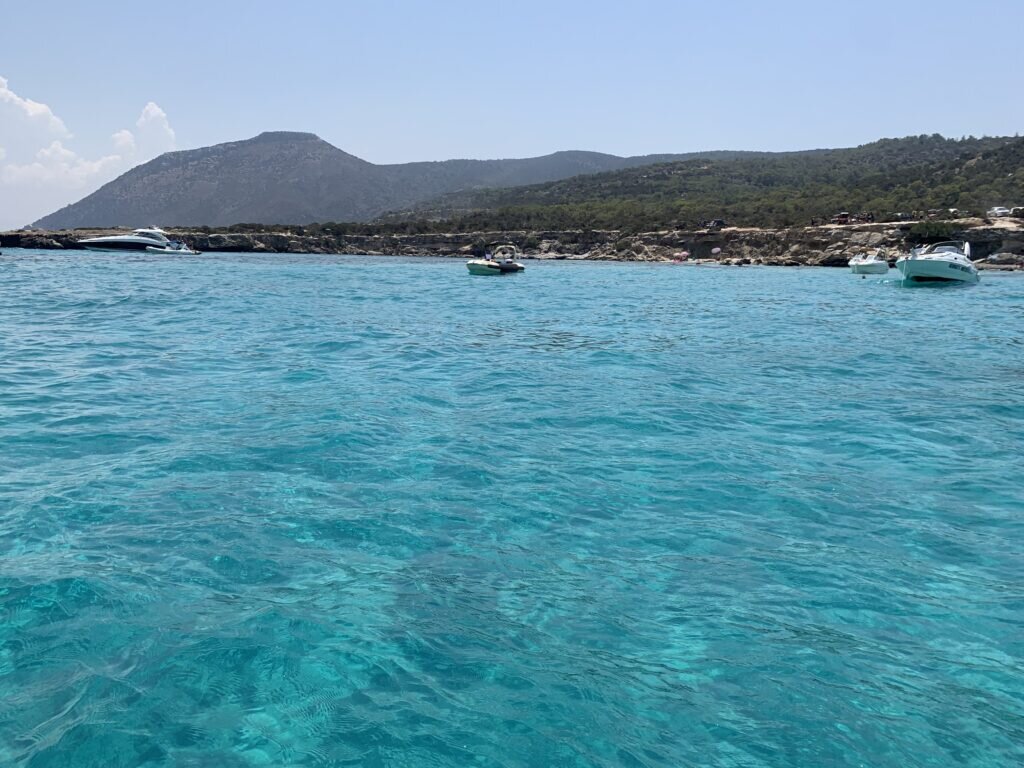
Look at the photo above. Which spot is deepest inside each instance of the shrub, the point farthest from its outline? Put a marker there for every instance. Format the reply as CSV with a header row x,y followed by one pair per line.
x,y
932,231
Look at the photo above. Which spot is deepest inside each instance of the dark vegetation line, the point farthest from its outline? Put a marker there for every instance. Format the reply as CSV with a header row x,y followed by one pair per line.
x,y
893,179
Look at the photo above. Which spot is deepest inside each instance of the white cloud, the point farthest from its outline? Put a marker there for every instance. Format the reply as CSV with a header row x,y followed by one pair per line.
x,y
40,114
154,134
40,173
124,141
57,167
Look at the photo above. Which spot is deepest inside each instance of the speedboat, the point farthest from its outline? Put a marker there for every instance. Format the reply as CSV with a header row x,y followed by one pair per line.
x,y
176,246
152,240
948,262
501,262
493,267
870,263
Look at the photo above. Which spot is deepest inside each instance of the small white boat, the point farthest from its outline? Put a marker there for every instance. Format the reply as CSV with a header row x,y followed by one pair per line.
x,y
151,239
182,249
501,262
948,262
870,263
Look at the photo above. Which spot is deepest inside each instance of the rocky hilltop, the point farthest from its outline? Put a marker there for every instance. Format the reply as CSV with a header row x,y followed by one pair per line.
x,y
286,177
828,246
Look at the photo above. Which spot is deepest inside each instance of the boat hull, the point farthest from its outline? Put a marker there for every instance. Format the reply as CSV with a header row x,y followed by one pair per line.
x,y
492,268
870,268
113,245
937,271
179,251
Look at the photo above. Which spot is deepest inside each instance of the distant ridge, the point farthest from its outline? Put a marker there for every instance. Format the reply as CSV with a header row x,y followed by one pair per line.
x,y
885,177
286,177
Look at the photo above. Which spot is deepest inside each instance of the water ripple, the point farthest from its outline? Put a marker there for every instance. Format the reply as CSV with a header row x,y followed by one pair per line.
x,y
328,511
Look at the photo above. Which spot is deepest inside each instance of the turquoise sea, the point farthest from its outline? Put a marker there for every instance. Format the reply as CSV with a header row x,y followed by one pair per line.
x,y
355,511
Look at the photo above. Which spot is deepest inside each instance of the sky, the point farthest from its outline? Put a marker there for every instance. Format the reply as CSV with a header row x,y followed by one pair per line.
x,y
88,90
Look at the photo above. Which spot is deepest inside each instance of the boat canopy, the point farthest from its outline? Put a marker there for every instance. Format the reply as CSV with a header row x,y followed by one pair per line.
x,y
946,247
153,233
507,250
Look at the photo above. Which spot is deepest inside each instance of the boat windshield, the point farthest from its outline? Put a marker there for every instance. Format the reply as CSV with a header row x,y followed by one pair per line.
x,y
505,252
945,248
151,234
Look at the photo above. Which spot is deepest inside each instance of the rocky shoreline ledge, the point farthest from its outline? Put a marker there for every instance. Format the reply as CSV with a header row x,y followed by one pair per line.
x,y
825,246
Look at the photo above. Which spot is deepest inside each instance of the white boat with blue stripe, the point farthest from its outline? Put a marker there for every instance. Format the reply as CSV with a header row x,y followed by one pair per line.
x,y
948,262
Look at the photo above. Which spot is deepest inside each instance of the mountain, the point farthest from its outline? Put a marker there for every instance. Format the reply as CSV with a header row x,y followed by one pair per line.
x,y
298,178
765,189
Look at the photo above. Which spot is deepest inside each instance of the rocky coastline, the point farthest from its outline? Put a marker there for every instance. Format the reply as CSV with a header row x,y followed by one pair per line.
x,y
825,246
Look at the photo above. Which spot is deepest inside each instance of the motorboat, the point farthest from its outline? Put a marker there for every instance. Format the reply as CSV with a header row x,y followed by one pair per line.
x,y
151,240
501,262
176,247
948,262
492,267
870,263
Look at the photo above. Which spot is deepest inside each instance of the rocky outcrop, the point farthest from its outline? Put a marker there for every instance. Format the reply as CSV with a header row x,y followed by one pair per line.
x,y
41,240
826,246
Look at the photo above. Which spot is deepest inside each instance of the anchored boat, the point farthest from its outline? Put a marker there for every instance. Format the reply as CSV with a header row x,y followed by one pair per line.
x,y
501,262
151,240
870,263
948,262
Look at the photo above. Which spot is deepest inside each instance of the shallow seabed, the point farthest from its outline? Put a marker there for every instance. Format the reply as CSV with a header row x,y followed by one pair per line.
x,y
327,511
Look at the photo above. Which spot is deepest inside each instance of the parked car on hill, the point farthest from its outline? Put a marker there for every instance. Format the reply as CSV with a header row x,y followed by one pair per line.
x,y
995,213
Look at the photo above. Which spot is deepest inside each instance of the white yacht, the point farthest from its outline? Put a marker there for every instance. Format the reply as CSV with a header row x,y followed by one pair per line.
x,y
940,262
153,240
870,263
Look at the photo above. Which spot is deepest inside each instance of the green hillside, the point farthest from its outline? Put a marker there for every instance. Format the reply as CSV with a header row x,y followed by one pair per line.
x,y
782,189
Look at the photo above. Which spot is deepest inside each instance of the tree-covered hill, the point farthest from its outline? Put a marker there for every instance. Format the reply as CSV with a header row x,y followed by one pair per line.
x,y
884,177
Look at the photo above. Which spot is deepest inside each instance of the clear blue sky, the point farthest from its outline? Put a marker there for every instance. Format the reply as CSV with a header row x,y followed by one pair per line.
x,y
394,81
